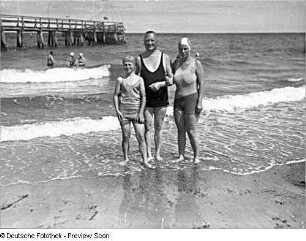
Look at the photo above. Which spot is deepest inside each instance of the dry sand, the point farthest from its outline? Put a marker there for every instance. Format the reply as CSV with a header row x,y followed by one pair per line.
x,y
187,198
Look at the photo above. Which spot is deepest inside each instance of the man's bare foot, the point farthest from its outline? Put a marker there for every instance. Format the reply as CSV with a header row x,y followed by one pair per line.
x,y
180,159
148,165
196,160
124,162
150,157
158,158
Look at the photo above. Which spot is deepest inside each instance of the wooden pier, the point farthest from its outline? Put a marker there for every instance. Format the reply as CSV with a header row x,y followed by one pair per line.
x,y
75,32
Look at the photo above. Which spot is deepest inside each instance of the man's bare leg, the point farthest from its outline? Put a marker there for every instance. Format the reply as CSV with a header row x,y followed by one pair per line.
x,y
148,131
159,116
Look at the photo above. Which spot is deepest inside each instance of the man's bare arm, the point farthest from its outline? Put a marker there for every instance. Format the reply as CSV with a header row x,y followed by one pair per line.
x,y
168,70
138,65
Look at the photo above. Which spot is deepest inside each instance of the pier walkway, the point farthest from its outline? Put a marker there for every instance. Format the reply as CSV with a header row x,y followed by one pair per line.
x,y
74,31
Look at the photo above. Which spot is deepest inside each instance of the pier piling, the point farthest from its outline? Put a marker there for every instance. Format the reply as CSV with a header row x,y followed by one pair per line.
x,y
19,39
95,41
3,40
52,39
74,31
81,38
40,40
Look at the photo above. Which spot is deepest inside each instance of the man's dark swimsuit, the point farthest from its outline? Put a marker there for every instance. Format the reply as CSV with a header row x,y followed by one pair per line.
x,y
154,98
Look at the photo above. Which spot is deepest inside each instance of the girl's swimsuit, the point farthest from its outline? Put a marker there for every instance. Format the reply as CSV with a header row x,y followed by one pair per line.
x,y
154,98
184,78
129,100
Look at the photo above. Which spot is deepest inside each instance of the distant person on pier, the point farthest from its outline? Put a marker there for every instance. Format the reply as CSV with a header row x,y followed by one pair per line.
x,y
154,67
72,61
81,60
50,60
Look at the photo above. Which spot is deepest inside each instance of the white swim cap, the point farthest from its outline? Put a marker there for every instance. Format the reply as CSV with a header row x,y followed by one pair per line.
x,y
185,41
81,54
71,54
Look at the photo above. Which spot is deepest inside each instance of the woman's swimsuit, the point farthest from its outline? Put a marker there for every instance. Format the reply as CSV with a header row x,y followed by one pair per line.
x,y
187,104
183,78
154,98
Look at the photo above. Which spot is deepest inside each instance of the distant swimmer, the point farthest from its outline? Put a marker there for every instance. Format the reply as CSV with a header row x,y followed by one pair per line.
x,y
81,60
72,61
50,60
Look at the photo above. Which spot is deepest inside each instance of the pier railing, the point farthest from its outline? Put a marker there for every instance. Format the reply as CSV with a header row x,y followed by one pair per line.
x,y
94,31
30,23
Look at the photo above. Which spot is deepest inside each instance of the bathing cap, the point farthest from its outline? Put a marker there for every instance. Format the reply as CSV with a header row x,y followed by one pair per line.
x,y
81,54
71,54
128,58
185,41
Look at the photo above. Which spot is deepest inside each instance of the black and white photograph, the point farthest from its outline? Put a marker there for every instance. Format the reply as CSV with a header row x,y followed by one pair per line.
x,y
152,114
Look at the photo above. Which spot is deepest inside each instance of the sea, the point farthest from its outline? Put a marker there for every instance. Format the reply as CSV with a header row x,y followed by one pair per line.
x,y
60,123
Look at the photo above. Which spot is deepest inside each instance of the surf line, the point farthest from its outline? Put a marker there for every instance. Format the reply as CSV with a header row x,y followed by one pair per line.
x,y
267,168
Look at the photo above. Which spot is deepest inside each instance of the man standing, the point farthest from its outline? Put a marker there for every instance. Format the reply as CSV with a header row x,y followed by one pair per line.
x,y
154,67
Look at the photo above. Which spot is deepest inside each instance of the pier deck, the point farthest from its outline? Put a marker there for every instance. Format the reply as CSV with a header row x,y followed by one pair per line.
x,y
75,31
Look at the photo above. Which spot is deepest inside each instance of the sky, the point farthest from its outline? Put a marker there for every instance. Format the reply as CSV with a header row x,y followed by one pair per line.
x,y
174,16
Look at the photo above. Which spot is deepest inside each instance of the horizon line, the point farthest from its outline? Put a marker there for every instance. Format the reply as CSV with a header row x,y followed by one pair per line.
x,y
272,32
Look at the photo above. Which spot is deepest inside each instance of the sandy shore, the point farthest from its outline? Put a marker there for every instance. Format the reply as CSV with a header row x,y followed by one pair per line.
x,y
188,198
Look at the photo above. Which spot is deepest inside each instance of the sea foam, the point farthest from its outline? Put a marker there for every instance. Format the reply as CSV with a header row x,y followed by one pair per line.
x,y
73,126
66,127
251,100
295,79
53,75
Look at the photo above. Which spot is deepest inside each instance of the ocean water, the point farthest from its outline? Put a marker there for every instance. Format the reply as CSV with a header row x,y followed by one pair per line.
x,y
60,123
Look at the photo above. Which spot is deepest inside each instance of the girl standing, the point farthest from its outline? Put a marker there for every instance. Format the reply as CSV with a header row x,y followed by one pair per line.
x,y
130,101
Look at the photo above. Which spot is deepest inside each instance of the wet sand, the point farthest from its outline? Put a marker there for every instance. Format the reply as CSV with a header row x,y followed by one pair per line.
x,y
185,199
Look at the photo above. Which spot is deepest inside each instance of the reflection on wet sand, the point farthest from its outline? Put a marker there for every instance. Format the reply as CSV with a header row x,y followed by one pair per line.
x,y
187,212
145,202
153,201
184,198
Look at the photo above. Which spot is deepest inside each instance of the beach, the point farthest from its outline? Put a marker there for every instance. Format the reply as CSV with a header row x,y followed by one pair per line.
x,y
156,199
61,140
